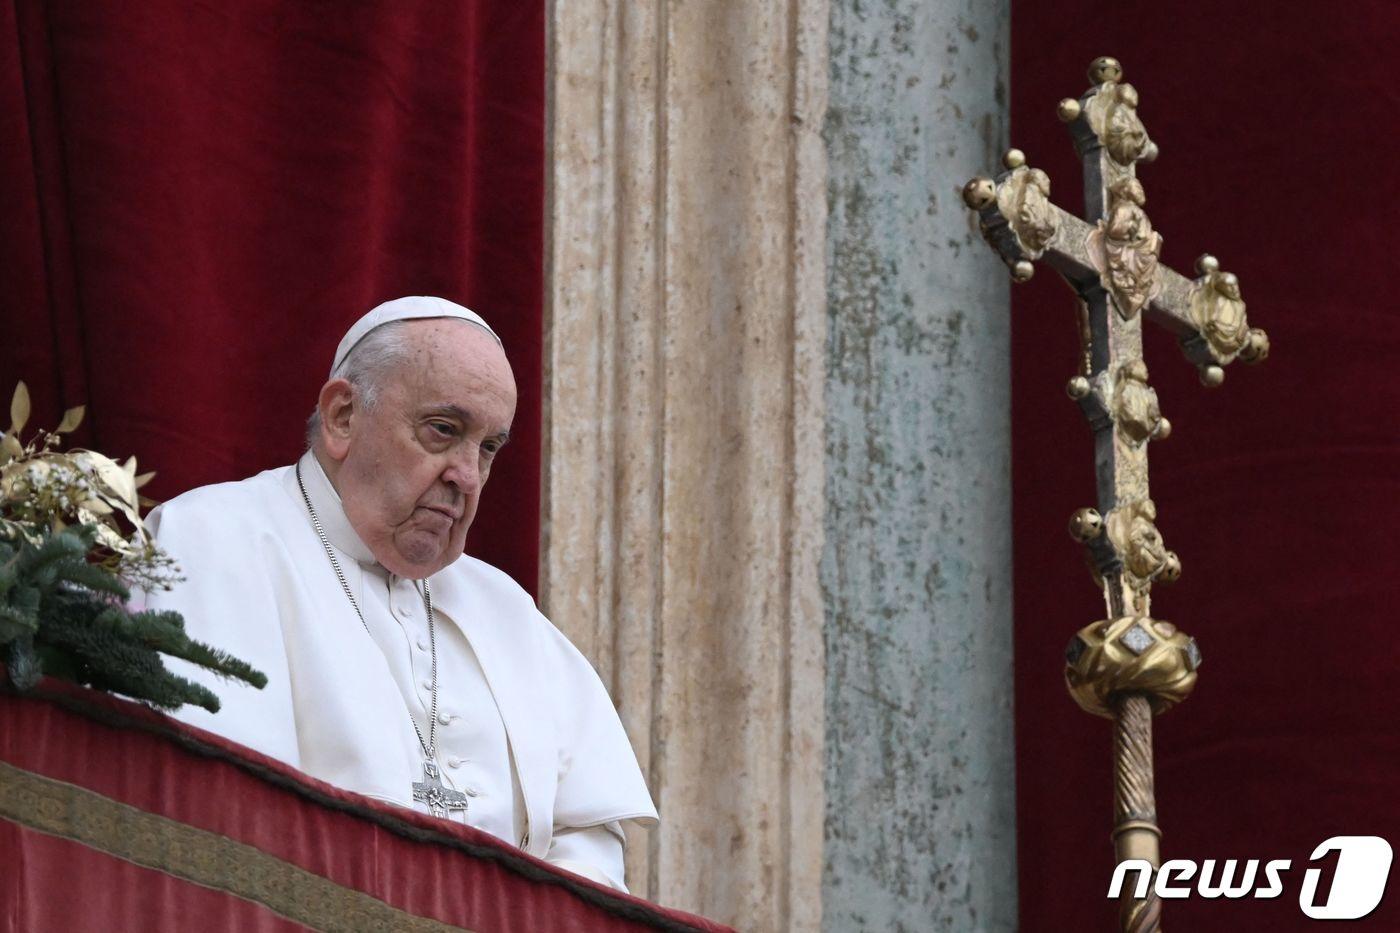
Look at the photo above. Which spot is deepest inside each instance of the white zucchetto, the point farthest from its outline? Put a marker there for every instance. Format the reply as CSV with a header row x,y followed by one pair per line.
x,y
414,307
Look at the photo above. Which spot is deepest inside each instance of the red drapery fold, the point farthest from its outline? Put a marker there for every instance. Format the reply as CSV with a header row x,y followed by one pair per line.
x,y
1280,490
200,198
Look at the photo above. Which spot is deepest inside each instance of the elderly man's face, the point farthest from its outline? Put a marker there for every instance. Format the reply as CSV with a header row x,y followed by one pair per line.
x,y
410,470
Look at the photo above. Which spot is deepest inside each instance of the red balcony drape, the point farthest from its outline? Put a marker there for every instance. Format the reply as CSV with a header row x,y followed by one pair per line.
x,y
113,817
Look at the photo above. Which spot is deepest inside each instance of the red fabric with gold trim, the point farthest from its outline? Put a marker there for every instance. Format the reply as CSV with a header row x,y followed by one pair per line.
x,y
115,817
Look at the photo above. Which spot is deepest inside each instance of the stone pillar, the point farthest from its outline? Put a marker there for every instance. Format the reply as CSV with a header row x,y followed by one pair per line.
x,y
776,501
683,441
917,568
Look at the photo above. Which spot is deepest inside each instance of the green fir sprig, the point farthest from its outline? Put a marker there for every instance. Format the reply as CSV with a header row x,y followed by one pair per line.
x,y
71,546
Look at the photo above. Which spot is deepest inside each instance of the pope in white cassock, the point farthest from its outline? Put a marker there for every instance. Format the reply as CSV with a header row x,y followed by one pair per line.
x,y
398,667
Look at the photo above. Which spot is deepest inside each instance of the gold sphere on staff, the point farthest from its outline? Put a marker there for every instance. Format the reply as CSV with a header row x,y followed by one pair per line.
x,y
979,193
1105,69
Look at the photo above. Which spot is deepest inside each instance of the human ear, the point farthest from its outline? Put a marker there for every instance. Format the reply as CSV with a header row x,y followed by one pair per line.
x,y
336,404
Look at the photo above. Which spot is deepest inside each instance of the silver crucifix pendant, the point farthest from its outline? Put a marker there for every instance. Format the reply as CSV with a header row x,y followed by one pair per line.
x,y
431,791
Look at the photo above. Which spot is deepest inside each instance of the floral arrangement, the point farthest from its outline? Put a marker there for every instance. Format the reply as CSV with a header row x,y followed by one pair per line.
x,y
72,547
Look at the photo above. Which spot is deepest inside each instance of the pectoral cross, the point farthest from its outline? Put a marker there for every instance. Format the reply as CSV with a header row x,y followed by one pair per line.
x,y
1128,666
439,798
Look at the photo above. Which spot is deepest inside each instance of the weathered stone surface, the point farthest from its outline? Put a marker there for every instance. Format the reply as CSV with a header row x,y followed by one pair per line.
x,y
683,499
917,566
788,553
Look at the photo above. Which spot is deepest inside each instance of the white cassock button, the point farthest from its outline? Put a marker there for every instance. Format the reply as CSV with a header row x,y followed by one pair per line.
x,y
428,686
446,718
454,762
422,644
404,612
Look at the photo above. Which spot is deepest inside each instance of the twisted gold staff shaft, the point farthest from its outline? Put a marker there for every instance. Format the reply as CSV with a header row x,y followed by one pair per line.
x,y
1135,832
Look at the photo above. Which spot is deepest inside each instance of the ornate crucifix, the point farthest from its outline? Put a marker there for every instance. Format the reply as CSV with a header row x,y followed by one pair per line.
x,y
439,797
1129,666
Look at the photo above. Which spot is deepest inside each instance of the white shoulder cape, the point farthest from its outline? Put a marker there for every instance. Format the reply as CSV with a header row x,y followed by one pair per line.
x,y
258,585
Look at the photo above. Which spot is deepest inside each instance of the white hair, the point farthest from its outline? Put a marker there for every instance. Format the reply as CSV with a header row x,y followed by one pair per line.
x,y
365,367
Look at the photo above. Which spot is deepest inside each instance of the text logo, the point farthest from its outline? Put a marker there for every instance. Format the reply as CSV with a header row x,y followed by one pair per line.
x,y
1358,879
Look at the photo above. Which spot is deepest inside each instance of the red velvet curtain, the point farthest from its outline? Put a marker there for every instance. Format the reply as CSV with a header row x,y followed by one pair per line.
x,y
199,198
1280,490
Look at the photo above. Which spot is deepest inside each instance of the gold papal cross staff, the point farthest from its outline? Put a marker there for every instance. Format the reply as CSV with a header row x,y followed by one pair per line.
x,y
1128,666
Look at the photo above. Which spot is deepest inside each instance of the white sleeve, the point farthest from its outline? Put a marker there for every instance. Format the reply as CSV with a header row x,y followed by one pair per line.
x,y
596,852
600,784
228,601
599,780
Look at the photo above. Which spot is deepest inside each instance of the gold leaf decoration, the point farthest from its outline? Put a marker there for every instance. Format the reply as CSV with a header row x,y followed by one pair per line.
x,y
19,409
71,419
44,490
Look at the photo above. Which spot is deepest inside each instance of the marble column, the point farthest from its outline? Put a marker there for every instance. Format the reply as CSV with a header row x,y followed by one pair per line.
x,y
917,567
683,492
776,495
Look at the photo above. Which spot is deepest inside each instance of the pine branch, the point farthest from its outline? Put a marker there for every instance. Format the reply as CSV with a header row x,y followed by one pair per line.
x,y
22,664
115,664
41,563
81,573
63,615
15,623
165,631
